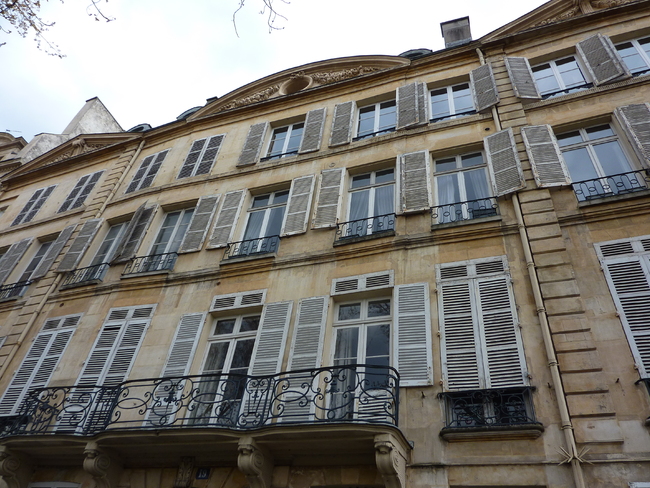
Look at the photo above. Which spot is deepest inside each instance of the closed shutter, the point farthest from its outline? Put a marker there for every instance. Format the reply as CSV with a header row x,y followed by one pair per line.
x,y
413,333
271,340
414,181
52,252
313,133
365,282
13,255
484,87
147,171
412,105
253,145
202,155
635,120
79,245
298,206
601,59
134,233
329,198
503,163
521,78
307,346
545,156
210,154
342,124
226,218
192,159
242,299
81,190
34,204
198,228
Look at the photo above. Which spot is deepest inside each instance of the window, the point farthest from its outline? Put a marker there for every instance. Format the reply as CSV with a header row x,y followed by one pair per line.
x,y
147,171
462,189
597,163
201,157
263,225
100,263
35,261
559,77
34,204
378,118
451,102
636,55
81,190
285,141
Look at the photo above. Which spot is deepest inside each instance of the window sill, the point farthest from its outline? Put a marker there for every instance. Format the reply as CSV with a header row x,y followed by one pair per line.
x,y
80,284
249,257
10,299
146,273
492,433
613,198
478,220
351,240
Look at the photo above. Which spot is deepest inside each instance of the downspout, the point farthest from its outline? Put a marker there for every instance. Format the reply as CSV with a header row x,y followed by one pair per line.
x,y
565,419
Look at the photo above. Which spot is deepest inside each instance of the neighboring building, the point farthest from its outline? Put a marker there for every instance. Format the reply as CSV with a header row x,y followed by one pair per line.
x,y
426,270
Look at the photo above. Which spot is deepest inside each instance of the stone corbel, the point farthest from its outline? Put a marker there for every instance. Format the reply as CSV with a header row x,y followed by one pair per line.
x,y
104,468
15,470
390,457
255,462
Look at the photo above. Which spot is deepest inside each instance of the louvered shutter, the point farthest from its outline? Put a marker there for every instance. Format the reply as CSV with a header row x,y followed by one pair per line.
x,y
602,60
225,222
370,281
484,87
313,134
67,203
308,335
413,334
412,105
414,181
52,252
134,233
342,124
139,174
147,171
522,78
253,145
635,120
153,170
271,339
201,158
81,190
192,159
298,206
34,204
545,156
328,200
13,255
210,155
198,228
79,245
503,163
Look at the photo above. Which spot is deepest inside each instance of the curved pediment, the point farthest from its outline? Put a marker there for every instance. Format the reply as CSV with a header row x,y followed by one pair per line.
x,y
301,78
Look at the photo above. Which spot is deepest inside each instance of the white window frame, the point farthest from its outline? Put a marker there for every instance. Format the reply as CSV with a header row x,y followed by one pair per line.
x,y
451,100
377,131
121,228
267,209
645,56
563,88
372,187
175,232
285,145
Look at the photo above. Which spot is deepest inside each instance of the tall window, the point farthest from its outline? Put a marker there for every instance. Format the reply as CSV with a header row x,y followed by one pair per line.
x,y
262,233
109,244
451,102
376,119
34,204
285,141
147,171
372,203
636,55
82,189
168,240
35,261
559,77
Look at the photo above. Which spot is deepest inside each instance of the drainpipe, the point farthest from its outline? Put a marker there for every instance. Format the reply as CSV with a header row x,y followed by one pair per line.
x,y
565,419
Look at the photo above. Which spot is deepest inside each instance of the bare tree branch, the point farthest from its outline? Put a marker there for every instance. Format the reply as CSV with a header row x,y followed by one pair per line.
x,y
268,9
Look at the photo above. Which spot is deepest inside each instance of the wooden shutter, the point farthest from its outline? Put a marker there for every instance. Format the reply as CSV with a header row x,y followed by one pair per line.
x,y
298,206
201,157
253,145
308,335
369,281
503,163
11,258
210,154
414,181
413,334
412,105
134,233
545,156
192,158
52,253
184,344
328,200
522,78
81,190
79,245
198,228
225,222
484,87
601,59
635,120
242,299
313,134
33,205
271,339
147,171
342,124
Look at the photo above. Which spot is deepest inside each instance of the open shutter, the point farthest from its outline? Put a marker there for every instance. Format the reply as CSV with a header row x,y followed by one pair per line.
x,y
298,206
198,228
313,133
413,333
225,221
253,145
601,59
9,260
414,181
271,340
484,87
521,78
503,163
329,198
307,346
134,233
79,245
412,105
545,156
52,253
342,124
184,344
635,120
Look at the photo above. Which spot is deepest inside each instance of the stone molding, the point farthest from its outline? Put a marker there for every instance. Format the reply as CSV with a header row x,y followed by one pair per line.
x,y
104,468
391,460
15,469
255,462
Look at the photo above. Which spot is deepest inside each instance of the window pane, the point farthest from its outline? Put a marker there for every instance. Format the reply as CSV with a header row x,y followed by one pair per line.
x,y
476,186
599,132
448,191
462,98
359,204
280,197
569,138
261,201
611,158
242,356
384,200
545,78
631,57
360,180
274,225
224,326
379,308
378,341
386,116
180,231
366,121
277,141
570,72
249,323
350,311
470,160
254,225
346,347
580,166
446,164
216,357
385,176
107,245
295,138
439,104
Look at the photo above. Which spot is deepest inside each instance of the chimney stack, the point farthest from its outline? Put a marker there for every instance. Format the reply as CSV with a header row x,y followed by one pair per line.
x,y
456,32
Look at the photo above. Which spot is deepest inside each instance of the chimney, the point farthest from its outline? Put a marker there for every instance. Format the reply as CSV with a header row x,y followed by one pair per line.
x,y
456,32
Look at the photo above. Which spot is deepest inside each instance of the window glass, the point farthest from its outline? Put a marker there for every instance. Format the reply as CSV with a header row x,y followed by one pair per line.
x,y
451,102
559,77
285,141
371,204
378,118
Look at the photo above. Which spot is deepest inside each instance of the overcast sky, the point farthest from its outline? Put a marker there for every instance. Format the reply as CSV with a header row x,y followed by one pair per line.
x,y
159,58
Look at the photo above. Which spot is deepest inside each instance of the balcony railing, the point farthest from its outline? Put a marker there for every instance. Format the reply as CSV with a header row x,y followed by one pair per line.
x,y
612,185
155,262
279,156
566,91
355,393
456,212
365,227
453,116
251,247
14,289
374,134
84,275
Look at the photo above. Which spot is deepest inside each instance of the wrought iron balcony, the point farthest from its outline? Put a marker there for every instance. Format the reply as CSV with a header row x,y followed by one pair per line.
x,y
374,134
155,262
365,227
456,212
612,185
252,247
86,275
348,394
453,116
558,93
14,290
279,156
